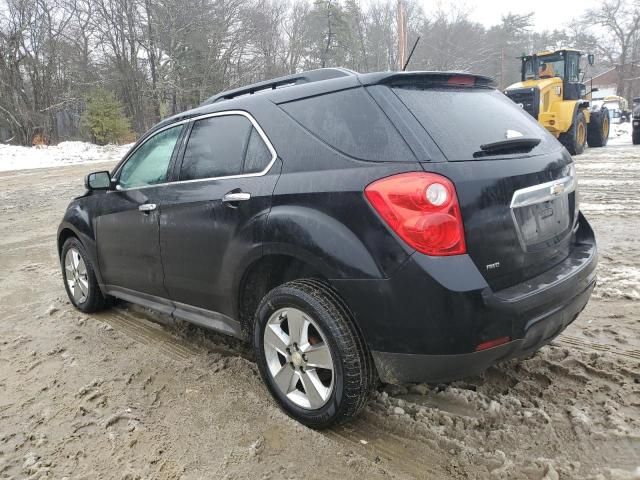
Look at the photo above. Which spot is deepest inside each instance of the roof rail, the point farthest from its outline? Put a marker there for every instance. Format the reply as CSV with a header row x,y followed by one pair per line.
x,y
295,79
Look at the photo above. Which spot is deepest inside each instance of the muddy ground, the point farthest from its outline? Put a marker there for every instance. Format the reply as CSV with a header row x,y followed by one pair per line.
x,y
126,394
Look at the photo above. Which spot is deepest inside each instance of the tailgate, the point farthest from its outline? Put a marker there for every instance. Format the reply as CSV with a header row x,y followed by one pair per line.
x,y
518,214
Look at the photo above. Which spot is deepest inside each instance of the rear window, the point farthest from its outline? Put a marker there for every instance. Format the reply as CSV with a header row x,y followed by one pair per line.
x,y
461,119
350,121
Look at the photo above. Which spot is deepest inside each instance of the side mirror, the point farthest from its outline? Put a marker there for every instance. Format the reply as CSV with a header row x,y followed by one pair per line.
x,y
591,58
98,181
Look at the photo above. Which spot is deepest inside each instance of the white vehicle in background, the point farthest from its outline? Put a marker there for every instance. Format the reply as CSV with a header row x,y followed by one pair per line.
x,y
617,106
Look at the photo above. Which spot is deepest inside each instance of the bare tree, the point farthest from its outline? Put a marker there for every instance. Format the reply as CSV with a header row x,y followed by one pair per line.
x,y
160,57
621,22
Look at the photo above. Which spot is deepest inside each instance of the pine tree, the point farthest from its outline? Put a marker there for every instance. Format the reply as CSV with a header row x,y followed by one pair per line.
x,y
104,119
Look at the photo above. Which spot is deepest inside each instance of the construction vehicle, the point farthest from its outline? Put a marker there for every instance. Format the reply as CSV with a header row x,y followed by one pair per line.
x,y
553,91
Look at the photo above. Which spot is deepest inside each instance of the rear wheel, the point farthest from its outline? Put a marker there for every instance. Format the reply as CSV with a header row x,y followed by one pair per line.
x,y
79,278
598,129
635,136
310,355
575,139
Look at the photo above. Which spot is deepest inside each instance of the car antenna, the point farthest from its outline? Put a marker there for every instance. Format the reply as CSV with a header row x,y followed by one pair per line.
x,y
411,53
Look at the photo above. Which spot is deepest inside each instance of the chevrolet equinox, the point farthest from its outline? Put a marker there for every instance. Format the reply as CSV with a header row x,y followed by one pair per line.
x,y
402,227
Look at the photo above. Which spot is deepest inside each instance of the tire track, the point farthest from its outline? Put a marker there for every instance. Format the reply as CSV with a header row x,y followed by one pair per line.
x,y
146,332
400,453
586,345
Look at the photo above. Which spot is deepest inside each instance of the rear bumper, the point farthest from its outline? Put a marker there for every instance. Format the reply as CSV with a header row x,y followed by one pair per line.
x,y
403,368
424,323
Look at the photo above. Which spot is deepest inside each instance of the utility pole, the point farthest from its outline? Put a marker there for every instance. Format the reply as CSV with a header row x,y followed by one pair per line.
x,y
502,85
401,19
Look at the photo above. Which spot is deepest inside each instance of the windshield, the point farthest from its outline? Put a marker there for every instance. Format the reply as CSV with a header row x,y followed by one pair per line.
x,y
460,120
547,66
564,65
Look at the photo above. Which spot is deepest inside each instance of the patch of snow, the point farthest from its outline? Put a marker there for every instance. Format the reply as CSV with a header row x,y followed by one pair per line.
x,y
618,281
65,153
620,134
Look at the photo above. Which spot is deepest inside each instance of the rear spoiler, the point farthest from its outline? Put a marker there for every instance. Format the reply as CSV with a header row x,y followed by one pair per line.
x,y
428,79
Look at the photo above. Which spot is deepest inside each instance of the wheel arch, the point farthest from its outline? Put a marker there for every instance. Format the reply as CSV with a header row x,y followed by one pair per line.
x,y
265,274
65,233
77,223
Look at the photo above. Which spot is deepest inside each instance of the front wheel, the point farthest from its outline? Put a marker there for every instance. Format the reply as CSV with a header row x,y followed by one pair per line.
x,y
635,136
310,354
575,139
79,278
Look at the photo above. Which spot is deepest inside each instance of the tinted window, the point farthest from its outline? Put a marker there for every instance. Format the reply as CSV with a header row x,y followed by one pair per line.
x,y
149,163
351,122
258,155
216,147
461,119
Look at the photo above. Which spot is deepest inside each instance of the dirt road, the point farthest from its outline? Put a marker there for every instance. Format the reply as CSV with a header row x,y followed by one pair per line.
x,y
126,394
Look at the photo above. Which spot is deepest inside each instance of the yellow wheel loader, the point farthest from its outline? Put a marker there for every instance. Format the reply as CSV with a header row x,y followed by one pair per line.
x,y
553,92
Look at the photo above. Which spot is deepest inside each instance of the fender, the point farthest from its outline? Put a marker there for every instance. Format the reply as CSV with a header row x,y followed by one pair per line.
x,y
564,113
320,241
78,219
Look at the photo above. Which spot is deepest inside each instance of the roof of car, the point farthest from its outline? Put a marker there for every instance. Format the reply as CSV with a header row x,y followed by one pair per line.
x,y
311,83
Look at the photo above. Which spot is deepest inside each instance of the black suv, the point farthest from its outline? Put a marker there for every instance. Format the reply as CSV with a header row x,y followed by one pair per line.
x,y
407,227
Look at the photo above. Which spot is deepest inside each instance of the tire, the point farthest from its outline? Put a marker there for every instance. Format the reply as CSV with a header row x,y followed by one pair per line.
x,y
345,388
635,136
598,129
83,290
575,139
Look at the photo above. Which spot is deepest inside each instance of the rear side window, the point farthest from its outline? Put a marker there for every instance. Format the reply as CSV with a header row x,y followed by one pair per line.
x,y
460,120
258,155
216,147
350,121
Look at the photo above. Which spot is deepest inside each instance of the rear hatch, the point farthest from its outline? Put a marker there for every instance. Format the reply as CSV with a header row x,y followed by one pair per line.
x,y
515,183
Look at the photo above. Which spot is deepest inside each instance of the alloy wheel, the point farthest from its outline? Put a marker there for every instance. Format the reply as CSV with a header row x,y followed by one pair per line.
x,y
298,358
76,275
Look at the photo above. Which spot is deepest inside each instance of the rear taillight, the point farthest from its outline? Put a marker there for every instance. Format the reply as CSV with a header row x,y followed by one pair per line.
x,y
422,209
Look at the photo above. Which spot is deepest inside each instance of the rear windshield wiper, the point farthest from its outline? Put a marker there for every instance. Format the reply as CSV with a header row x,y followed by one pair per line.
x,y
510,145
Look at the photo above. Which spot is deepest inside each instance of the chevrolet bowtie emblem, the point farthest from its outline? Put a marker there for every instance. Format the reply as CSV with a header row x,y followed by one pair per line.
x,y
556,189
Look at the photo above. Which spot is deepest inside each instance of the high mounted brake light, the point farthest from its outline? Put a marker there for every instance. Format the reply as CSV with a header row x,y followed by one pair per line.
x,y
462,80
422,209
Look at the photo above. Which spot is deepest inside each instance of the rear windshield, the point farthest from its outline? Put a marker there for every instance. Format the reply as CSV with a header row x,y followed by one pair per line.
x,y
460,120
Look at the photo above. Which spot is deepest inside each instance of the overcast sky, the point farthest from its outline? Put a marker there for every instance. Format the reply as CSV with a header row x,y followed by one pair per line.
x,y
549,14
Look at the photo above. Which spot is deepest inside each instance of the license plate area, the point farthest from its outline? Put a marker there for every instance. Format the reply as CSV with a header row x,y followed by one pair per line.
x,y
543,214
543,223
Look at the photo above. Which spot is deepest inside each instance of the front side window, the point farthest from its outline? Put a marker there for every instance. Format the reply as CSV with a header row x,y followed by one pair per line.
x,y
216,147
148,165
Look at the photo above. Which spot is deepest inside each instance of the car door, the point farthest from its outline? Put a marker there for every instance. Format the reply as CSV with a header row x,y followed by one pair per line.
x,y
213,215
127,225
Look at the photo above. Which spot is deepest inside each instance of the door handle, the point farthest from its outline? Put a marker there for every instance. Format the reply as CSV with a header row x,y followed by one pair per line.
x,y
236,197
147,207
